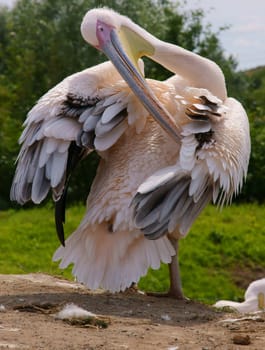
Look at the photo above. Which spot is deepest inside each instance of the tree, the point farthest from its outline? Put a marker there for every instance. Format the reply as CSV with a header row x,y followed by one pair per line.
x,y
254,100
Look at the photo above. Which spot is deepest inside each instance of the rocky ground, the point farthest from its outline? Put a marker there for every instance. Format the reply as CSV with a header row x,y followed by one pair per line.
x,y
29,303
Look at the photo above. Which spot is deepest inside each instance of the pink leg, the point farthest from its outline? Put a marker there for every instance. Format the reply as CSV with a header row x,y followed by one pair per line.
x,y
175,288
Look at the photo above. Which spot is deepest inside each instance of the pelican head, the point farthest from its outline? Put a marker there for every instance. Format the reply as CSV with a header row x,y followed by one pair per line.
x,y
102,27
124,43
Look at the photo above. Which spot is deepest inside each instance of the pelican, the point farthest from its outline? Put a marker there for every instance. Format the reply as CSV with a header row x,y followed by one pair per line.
x,y
254,299
167,149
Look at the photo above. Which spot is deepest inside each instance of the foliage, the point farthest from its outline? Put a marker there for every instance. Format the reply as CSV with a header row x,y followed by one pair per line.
x,y
221,255
254,100
40,44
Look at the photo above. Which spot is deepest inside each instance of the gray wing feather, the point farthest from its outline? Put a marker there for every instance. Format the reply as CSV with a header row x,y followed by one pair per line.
x,y
102,129
90,122
40,186
144,204
173,197
195,209
169,206
58,119
149,219
59,162
155,231
108,139
182,207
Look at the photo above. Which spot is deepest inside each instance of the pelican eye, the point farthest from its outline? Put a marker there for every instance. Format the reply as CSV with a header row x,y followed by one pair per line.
x,y
101,28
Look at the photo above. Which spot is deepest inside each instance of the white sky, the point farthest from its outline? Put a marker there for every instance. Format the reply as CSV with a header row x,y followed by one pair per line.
x,y
245,39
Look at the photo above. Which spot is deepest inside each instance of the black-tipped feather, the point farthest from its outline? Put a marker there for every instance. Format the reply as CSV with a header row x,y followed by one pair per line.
x,y
75,154
60,216
145,203
168,207
158,232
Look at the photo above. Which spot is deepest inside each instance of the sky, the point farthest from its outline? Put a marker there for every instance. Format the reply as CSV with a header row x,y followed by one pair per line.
x,y
245,39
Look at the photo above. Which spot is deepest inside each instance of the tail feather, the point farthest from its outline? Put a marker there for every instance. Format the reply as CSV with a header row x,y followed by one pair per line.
x,y
112,261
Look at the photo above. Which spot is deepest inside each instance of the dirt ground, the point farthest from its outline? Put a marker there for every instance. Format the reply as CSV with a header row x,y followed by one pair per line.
x,y
28,304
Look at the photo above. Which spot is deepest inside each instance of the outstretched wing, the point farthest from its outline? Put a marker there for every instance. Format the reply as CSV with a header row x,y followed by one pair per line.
x,y
82,113
211,165
64,126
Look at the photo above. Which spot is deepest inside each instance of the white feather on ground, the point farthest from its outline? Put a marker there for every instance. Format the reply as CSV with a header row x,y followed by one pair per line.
x,y
2,308
254,299
72,311
75,315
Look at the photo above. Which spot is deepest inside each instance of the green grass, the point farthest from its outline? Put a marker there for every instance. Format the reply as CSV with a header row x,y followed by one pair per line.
x,y
219,245
28,240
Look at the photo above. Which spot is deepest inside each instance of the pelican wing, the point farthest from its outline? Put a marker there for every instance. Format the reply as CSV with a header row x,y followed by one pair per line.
x,y
211,166
86,111
169,206
66,124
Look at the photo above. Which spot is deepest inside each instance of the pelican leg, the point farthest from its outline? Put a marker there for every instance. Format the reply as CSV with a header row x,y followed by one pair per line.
x,y
175,288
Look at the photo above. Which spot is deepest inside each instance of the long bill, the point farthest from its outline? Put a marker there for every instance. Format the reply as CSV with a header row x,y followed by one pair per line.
x,y
115,52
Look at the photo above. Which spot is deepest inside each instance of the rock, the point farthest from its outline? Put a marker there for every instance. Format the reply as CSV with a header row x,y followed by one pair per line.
x,y
241,339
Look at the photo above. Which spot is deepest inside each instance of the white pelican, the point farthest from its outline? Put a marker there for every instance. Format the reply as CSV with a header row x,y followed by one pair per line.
x,y
167,149
254,299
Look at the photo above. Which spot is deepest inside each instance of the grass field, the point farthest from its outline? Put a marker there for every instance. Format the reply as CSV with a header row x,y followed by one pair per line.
x,y
223,252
